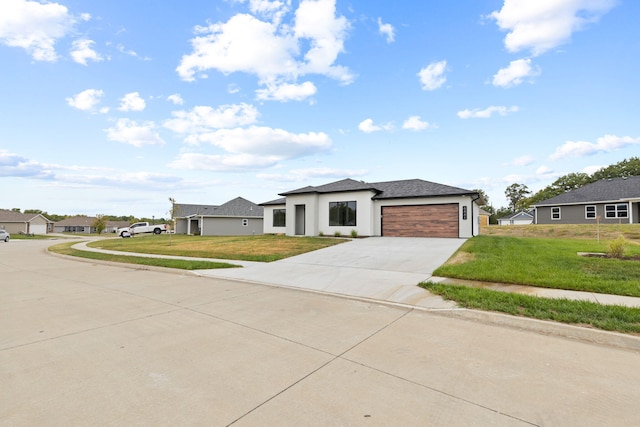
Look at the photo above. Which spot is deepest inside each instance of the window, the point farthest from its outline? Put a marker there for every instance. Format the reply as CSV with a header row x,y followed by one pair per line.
x,y
464,212
245,222
590,212
279,217
555,213
616,211
342,213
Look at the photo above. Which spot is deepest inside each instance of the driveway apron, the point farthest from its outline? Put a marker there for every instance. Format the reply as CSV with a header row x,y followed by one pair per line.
x,y
382,268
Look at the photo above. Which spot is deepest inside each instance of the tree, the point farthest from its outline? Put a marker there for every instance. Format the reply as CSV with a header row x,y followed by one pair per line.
x,y
561,185
623,169
484,199
517,194
100,223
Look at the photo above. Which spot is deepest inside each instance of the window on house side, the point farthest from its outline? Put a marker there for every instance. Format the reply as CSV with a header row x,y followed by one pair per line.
x,y
342,213
555,213
279,217
245,222
616,211
590,212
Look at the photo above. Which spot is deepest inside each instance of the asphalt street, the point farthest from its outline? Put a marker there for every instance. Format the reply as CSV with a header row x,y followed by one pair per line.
x,y
83,343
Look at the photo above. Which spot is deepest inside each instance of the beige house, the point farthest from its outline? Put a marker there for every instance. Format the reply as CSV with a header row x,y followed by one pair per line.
x,y
21,223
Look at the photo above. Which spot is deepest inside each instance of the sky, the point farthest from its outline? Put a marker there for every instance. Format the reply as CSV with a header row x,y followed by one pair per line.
x,y
113,107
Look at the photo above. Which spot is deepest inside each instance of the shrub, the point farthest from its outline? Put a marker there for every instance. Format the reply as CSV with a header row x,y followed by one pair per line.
x,y
354,233
617,247
337,233
321,234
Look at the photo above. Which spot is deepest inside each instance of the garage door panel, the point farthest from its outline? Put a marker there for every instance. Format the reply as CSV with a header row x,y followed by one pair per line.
x,y
420,221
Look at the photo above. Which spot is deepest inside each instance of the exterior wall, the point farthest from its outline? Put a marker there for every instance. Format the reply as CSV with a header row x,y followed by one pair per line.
x,y
575,214
310,201
467,228
268,227
515,221
78,229
364,213
180,226
14,227
230,226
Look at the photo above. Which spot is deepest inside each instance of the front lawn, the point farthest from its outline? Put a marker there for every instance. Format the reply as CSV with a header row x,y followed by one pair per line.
x,y
544,262
263,248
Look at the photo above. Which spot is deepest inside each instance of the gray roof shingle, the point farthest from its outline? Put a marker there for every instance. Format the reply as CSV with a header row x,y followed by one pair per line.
x,y
606,190
408,188
238,207
12,216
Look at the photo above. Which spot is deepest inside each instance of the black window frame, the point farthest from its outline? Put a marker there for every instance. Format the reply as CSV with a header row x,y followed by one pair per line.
x,y
343,214
590,214
554,213
279,217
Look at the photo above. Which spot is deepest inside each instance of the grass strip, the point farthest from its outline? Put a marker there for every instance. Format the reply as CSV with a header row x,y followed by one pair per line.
x,y
607,317
544,262
66,249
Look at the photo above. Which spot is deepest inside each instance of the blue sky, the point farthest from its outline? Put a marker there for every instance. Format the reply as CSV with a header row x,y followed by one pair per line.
x,y
113,107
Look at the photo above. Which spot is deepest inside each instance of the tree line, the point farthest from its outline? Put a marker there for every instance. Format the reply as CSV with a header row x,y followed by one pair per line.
x,y
521,198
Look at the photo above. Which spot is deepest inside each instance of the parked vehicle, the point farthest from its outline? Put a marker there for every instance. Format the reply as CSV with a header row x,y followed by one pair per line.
x,y
4,235
142,227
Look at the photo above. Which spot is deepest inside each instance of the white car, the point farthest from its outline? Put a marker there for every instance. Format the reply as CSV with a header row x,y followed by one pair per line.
x,y
4,235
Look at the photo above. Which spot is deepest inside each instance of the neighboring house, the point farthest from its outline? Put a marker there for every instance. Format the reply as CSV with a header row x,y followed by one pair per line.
x,y
394,208
237,217
518,218
76,224
483,218
112,226
16,222
612,201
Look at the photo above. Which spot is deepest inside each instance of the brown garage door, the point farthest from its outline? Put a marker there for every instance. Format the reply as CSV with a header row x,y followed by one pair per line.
x,y
420,221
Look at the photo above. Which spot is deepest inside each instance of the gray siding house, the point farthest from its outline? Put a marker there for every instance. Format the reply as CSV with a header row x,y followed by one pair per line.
x,y
611,201
407,208
17,223
237,217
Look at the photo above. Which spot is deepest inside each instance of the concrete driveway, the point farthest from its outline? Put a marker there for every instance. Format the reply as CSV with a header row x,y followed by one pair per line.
x,y
382,268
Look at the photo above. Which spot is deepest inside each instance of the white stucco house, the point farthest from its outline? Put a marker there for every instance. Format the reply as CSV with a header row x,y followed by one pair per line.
x,y
407,208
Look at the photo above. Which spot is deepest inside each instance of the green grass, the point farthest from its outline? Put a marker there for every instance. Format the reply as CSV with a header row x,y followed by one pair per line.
x,y
66,249
544,262
264,248
18,236
607,317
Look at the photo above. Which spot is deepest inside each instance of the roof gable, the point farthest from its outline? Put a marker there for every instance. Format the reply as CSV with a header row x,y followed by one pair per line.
x,y
86,221
239,207
341,186
605,190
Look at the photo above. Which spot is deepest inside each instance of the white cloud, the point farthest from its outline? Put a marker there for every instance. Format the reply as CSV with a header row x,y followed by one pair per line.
x,y
34,26
487,112
523,161
367,126
86,100
604,144
133,133
286,92
268,142
302,175
14,165
203,119
272,51
544,170
386,30
222,163
542,25
592,169
132,102
514,73
432,76
82,51
176,99
416,123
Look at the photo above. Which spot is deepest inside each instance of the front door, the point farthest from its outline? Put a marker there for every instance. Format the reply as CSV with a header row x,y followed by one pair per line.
x,y
300,220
